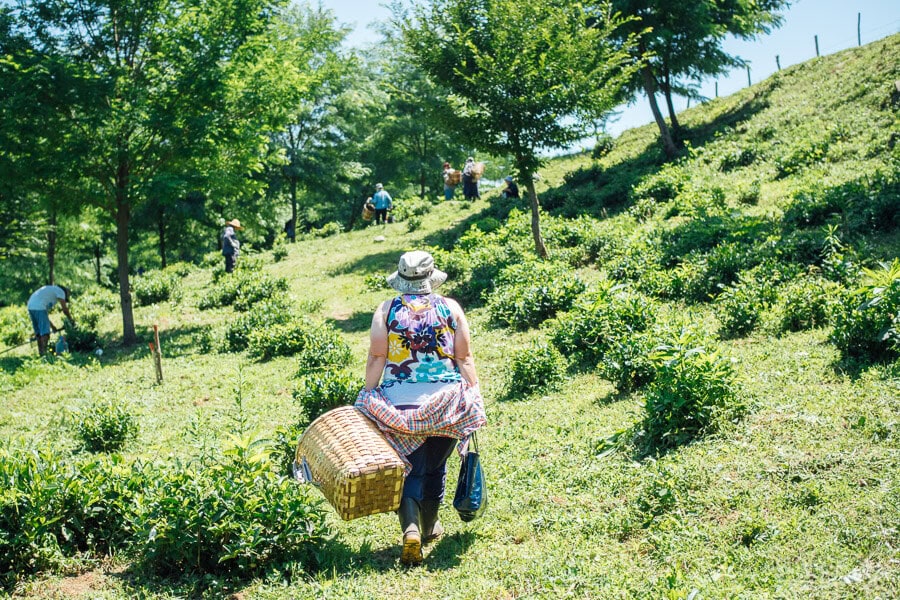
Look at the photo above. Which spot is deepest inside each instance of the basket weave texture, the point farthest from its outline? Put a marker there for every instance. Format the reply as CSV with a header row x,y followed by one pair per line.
x,y
454,177
358,472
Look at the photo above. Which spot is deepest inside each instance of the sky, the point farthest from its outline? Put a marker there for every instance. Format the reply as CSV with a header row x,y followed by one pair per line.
x,y
833,21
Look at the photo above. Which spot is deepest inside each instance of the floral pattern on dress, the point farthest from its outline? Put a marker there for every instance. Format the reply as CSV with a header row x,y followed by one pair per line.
x,y
421,330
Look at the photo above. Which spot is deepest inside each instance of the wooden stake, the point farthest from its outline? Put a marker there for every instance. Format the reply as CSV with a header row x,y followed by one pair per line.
x,y
817,44
157,354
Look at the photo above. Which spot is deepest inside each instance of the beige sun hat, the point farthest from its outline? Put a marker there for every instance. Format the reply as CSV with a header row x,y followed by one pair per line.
x,y
234,223
416,274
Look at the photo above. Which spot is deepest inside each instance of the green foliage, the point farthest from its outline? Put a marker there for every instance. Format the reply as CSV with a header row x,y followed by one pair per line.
x,y
82,335
528,294
233,515
155,286
865,322
692,393
327,230
536,368
15,328
804,303
413,223
320,391
741,305
51,510
261,316
609,332
244,289
106,425
375,282
280,248
280,339
324,347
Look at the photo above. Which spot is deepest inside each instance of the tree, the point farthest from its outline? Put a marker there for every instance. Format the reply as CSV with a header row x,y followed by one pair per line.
x,y
522,75
141,84
684,40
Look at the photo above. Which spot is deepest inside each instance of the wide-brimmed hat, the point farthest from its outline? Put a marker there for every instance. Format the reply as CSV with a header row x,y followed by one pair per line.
x,y
234,223
507,179
416,274
379,186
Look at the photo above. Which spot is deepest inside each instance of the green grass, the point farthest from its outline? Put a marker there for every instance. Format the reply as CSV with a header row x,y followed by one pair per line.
x,y
800,498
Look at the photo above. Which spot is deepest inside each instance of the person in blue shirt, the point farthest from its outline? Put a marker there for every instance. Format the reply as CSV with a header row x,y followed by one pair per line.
x,y
39,305
383,203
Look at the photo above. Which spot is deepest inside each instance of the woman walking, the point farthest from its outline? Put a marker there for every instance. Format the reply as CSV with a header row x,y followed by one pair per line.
x,y
422,390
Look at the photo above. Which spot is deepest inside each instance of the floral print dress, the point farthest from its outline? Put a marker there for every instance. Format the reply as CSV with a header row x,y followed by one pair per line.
x,y
420,358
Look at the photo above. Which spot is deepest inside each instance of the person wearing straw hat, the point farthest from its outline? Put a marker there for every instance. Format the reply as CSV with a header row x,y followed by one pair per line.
x,y
421,390
383,203
470,181
231,246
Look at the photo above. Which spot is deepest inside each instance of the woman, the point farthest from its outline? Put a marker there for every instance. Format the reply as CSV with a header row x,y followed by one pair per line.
x,y
449,182
428,397
470,181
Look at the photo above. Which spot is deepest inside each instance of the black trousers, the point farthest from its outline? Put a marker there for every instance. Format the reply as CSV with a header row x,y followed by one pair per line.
x,y
381,215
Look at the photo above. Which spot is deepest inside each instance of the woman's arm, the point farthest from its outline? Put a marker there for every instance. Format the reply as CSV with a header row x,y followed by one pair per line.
x,y
462,344
378,345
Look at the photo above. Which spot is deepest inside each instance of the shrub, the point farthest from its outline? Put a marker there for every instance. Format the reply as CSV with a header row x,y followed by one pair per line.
x,y
866,319
375,282
663,185
804,303
14,325
105,426
324,347
154,287
279,247
528,294
51,509
280,339
244,289
320,391
608,332
232,516
261,316
740,306
413,223
536,368
693,392
82,336
327,230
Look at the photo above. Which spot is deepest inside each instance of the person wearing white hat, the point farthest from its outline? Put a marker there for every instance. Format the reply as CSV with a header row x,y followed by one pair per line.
x,y
231,246
421,373
383,203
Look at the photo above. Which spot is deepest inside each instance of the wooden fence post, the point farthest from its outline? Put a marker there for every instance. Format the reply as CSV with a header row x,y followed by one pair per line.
x,y
157,354
778,62
816,37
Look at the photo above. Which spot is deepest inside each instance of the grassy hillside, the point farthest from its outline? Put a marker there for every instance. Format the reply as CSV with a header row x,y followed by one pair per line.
x,y
732,277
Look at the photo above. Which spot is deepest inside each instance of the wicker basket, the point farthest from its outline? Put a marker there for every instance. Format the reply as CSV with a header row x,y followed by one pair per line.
x,y
345,454
454,177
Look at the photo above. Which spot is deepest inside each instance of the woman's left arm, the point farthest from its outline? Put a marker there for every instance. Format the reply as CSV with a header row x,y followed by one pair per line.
x,y
378,345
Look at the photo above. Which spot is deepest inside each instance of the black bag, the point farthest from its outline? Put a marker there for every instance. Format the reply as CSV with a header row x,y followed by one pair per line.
x,y
471,498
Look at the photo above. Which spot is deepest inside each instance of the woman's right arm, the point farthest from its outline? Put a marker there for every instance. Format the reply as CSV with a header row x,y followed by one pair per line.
x,y
378,345
462,345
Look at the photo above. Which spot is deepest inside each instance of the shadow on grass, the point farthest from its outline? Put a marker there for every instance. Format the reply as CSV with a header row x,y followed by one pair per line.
x,y
379,262
355,322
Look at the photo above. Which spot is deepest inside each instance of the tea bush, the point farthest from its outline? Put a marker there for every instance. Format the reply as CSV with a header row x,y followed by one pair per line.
x,y
608,332
155,286
262,315
280,339
280,247
320,391
327,230
15,327
233,515
603,146
741,305
324,347
105,426
413,223
804,303
865,320
538,367
51,510
693,392
375,282
528,294
82,335
243,289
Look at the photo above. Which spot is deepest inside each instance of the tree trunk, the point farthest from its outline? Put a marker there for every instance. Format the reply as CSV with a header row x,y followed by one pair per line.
x,y
539,246
293,230
123,217
97,255
665,135
162,235
667,91
51,249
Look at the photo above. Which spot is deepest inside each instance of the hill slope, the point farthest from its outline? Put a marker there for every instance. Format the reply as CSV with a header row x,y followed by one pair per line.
x,y
795,496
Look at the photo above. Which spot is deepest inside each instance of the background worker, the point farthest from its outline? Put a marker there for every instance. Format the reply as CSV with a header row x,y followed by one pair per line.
x,y
383,203
231,246
511,190
39,305
449,188
470,181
